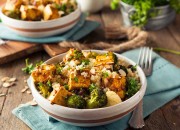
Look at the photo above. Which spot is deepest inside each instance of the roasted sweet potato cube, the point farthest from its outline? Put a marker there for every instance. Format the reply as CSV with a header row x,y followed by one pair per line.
x,y
79,80
118,83
59,96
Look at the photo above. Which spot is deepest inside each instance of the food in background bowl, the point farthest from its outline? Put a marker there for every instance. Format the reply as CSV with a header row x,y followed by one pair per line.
x,y
87,80
43,28
90,117
38,10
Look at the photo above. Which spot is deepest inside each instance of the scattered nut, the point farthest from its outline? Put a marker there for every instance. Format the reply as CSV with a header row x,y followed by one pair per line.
x,y
2,95
6,85
26,87
28,92
4,79
23,90
32,103
25,81
12,79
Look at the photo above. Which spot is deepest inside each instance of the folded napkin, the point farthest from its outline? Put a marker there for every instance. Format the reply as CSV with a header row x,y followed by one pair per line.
x,y
81,29
163,86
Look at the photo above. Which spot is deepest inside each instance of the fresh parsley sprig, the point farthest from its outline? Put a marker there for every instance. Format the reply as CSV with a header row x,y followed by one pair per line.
x,y
30,67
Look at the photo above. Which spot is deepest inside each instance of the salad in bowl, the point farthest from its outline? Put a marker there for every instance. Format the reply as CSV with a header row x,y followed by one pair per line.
x,y
88,88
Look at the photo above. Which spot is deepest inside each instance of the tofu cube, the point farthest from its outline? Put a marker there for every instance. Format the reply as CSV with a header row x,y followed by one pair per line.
x,y
105,59
50,13
58,96
30,13
43,73
13,4
79,80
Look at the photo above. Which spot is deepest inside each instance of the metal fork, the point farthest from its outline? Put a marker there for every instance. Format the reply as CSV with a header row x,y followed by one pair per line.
x,y
145,62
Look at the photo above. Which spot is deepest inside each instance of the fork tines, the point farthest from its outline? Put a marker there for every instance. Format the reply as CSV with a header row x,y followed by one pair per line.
x,y
145,60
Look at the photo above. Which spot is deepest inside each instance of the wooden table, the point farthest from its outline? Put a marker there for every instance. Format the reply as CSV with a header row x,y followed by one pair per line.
x,y
165,118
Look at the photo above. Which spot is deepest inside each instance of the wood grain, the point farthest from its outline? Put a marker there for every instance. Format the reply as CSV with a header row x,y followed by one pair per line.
x,y
13,50
165,118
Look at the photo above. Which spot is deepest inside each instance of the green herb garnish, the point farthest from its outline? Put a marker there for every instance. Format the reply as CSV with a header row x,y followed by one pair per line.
x,y
91,87
86,61
49,84
29,67
76,79
143,9
105,74
132,87
66,86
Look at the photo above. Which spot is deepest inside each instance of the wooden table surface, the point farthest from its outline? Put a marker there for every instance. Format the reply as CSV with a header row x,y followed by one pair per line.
x,y
165,118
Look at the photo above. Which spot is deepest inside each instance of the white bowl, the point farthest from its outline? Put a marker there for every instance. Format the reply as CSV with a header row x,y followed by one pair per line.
x,y
89,117
91,6
37,29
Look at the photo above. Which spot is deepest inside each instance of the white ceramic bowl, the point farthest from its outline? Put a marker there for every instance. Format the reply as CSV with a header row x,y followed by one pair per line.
x,y
89,117
91,6
37,29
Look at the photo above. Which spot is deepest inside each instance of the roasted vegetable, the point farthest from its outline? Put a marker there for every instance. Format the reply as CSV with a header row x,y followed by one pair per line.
x,y
97,99
37,10
76,101
45,89
112,98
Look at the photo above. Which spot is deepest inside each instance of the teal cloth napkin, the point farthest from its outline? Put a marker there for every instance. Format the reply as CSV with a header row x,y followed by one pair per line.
x,y
163,86
81,29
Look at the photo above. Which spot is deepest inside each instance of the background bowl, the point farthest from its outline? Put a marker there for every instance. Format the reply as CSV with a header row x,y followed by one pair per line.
x,y
89,117
91,6
36,29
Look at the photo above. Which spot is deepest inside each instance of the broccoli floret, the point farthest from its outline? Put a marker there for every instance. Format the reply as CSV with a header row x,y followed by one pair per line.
x,y
76,101
45,89
97,99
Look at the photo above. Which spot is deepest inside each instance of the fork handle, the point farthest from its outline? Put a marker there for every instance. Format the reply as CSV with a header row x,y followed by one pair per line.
x,y
136,120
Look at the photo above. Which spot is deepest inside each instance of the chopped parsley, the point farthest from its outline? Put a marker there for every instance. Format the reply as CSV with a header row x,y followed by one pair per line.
x,y
105,74
92,87
86,61
77,54
30,67
134,68
49,84
132,87
66,86
76,79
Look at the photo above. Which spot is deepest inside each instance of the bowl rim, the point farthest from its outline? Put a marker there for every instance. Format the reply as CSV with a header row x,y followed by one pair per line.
x,y
143,86
40,22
